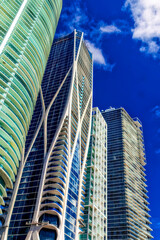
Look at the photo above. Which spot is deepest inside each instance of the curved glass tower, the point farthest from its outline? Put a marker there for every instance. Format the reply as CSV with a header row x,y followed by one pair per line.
x,y
49,199
27,29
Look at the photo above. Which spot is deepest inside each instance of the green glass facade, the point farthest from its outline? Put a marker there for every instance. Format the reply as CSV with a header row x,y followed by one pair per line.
x,y
28,29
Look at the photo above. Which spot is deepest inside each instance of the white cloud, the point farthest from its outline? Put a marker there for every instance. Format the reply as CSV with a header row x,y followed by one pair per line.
x,y
96,52
98,56
146,15
153,47
110,29
143,49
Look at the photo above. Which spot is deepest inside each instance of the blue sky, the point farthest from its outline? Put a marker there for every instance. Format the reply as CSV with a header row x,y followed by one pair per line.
x,y
124,37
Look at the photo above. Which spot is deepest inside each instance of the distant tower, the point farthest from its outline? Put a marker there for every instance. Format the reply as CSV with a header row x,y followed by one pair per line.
x,y
48,200
128,216
26,35
95,212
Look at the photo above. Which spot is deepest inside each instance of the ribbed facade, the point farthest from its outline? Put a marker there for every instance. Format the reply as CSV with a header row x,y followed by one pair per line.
x,y
128,216
95,212
27,30
48,200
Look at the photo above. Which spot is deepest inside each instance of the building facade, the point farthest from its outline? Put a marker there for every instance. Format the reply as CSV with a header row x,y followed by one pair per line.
x,y
27,32
94,226
50,183
128,212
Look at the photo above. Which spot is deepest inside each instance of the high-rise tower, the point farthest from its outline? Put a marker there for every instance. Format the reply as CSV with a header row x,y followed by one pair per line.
x,y
128,216
27,31
48,198
95,212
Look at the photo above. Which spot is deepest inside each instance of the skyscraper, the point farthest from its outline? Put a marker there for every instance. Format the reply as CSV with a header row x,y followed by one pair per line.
x,y
49,185
128,216
27,31
95,212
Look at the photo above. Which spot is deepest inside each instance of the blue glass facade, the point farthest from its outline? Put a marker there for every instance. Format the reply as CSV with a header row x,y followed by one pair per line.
x,y
47,234
117,221
128,216
73,192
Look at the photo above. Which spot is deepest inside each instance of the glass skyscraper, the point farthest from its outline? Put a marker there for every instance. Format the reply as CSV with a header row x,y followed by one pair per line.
x,y
128,212
49,187
27,30
95,212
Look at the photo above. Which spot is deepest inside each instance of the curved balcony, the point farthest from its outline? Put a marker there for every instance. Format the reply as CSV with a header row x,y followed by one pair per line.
x,y
51,205
51,182
56,162
5,144
60,151
6,177
5,155
62,137
61,141
7,124
59,157
49,208
54,186
57,174
64,131
53,197
59,147
7,167
49,201
56,179
55,191
58,167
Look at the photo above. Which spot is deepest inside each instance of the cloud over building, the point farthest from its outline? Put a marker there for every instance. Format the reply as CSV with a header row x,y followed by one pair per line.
x,y
146,16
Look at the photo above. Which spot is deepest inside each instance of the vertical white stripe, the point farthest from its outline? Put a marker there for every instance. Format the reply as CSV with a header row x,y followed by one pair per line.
x,y
4,42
